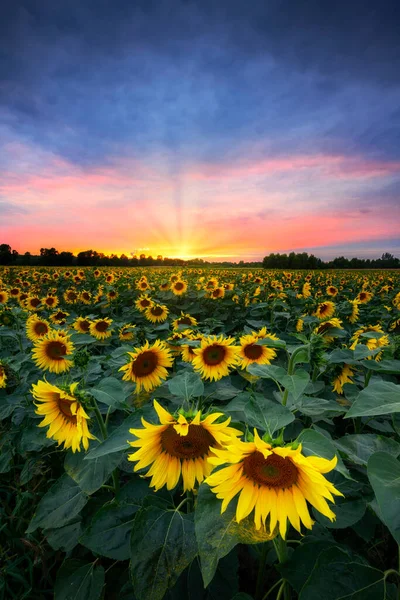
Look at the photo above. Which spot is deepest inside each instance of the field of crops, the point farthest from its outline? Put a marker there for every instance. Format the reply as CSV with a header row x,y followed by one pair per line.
x,y
199,434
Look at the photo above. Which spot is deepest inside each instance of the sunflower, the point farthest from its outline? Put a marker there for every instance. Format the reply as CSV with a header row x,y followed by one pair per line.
x,y
3,297
211,284
143,303
33,303
218,292
179,287
346,372
184,319
82,325
142,285
395,326
14,292
112,295
71,296
355,311
252,353
371,343
325,310
331,290
3,376
276,482
59,317
178,446
148,365
299,324
228,287
37,328
324,328
126,332
188,351
306,290
50,301
110,278
164,286
100,328
156,313
215,356
64,413
50,352
85,297
364,297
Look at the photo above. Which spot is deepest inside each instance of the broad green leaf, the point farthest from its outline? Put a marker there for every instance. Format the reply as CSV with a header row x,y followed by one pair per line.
x,y
79,581
118,439
110,391
186,385
348,512
317,444
342,356
266,415
337,576
267,371
296,384
384,474
90,474
80,339
384,366
110,530
299,566
59,505
162,546
34,438
361,352
217,534
379,398
66,537
359,447
315,407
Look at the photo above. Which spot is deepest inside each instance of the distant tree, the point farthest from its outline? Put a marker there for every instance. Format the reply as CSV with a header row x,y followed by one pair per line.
x,y
5,254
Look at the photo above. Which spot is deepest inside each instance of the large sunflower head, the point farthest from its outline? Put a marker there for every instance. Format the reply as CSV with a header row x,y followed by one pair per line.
x,y
331,290
33,303
218,292
275,482
184,319
63,413
252,353
52,352
179,446
37,328
50,301
82,325
85,297
71,296
143,303
179,287
325,310
157,313
215,357
364,297
148,366
100,328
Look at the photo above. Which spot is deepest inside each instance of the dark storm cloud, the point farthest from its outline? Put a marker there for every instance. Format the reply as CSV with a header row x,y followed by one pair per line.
x,y
93,79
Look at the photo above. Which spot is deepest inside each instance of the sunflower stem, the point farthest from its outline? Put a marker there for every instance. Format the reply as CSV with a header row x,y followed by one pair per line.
x,y
271,589
290,371
103,430
261,571
281,552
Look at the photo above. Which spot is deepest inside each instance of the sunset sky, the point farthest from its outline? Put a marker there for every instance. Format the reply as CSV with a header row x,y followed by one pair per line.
x,y
211,128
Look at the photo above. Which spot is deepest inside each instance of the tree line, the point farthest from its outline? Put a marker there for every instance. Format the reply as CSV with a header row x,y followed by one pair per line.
x,y
310,262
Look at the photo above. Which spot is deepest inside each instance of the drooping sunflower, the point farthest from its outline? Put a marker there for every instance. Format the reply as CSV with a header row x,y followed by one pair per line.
x,y
3,297
372,343
178,446
59,317
148,366
179,287
275,482
50,301
100,328
126,332
82,325
64,413
37,328
325,327
355,311
184,319
306,290
157,313
250,353
52,352
143,303
344,376
325,310
3,376
215,357
395,326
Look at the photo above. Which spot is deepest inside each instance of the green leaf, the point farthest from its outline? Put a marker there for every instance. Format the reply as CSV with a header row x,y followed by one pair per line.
x,y
267,371
66,537
90,474
390,367
342,356
162,546
297,383
80,339
317,444
317,407
265,414
298,568
359,447
79,581
118,439
59,505
186,385
379,398
110,391
217,534
384,474
348,513
109,531
337,576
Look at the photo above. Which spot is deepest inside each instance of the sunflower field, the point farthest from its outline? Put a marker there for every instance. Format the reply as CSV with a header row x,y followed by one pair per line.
x,y
199,434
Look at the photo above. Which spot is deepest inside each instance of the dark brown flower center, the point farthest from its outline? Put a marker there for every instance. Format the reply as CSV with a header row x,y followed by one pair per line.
x,y
323,308
184,321
65,407
56,350
157,311
195,444
179,286
102,326
60,315
273,471
216,293
85,296
362,296
14,292
144,364
50,301
40,328
324,327
214,354
23,297
84,325
252,351
145,303
35,302
72,296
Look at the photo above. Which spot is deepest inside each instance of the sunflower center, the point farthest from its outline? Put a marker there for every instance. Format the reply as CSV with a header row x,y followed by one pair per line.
x,y
102,326
324,327
84,325
214,355
273,471
50,301
323,308
65,407
144,364
145,303
35,302
85,296
60,315
41,328
195,444
157,311
179,286
56,350
72,296
184,321
216,293
252,351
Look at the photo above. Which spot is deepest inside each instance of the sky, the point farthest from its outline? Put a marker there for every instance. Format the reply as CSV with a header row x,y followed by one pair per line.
x,y
221,129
